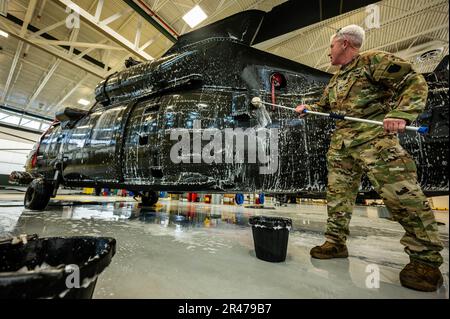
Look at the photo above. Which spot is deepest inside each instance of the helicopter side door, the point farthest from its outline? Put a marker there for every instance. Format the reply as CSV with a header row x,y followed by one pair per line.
x,y
142,144
74,151
101,162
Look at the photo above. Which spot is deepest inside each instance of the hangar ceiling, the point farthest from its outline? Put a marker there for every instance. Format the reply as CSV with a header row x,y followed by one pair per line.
x,y
45,66
408,28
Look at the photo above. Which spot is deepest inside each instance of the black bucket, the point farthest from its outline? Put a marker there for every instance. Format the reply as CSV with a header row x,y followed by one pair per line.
x,y
270,236
43,267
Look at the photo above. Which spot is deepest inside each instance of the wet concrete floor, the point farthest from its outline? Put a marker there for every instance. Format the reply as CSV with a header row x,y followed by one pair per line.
x,y
194,250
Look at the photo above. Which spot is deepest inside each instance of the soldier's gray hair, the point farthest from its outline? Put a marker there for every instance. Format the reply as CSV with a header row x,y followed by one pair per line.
x,y
352,33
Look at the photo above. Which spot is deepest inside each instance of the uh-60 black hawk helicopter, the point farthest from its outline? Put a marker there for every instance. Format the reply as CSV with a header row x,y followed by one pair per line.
x,y
185,122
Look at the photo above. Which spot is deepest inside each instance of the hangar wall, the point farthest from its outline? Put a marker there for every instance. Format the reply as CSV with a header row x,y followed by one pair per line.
x,y
14,148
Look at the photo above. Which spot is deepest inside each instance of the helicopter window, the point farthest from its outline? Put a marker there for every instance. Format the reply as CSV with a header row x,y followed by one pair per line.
x,y
106,126
46,140
150,124
55,142
134,125
191,117
80,134
149,128
170,118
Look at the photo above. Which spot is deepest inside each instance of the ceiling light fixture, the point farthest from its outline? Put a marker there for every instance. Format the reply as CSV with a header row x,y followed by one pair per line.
x,y
4,34
195,16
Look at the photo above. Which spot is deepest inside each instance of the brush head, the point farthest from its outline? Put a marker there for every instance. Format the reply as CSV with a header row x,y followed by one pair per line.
x,y
262,116
256,101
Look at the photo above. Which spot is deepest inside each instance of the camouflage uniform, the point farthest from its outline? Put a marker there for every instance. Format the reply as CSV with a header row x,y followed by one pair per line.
x,y
377,85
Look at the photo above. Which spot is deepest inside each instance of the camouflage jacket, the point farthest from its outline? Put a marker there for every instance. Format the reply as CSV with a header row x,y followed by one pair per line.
x,y
375,85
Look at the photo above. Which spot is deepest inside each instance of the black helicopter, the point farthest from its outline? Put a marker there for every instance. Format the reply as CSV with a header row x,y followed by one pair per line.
x,y
167,125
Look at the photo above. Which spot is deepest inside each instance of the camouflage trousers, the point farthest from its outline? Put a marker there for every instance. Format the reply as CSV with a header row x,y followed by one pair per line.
x,y
392,172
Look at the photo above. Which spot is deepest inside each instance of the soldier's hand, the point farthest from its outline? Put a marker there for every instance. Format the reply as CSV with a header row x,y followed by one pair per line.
x,y
394,125
300,108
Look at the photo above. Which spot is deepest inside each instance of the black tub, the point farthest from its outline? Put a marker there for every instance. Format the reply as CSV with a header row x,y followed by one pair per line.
x,y
43,267
270,236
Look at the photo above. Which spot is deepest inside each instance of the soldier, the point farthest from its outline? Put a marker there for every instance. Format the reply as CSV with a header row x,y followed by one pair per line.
x,y
378,86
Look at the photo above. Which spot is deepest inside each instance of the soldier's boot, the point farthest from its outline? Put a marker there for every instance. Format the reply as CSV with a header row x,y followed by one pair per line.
x,y
329,250
420,276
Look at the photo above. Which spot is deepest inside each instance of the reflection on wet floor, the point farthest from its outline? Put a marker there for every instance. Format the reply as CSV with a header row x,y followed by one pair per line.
x,y
190,215
194,250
